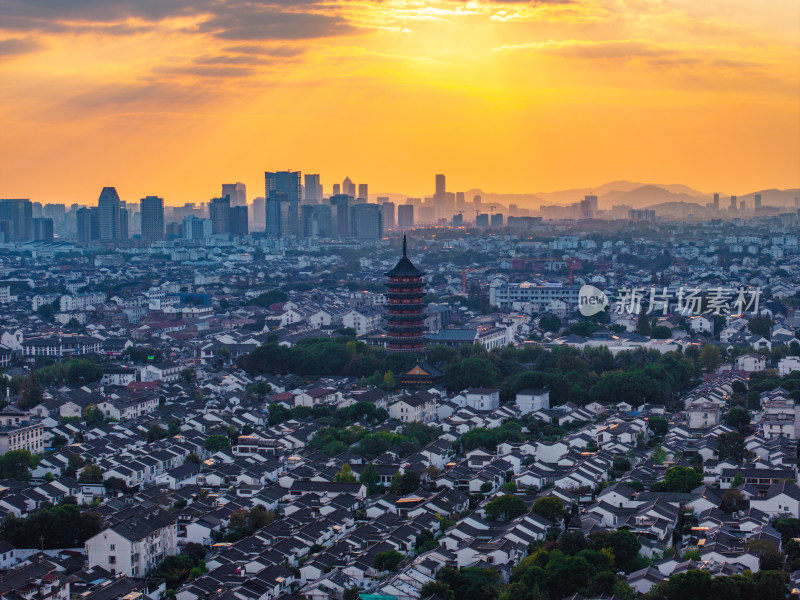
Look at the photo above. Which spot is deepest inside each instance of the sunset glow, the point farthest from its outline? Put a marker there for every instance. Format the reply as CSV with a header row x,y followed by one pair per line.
x,y
173,97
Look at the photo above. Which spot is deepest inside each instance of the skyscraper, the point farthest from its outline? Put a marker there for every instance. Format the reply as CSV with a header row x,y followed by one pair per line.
x,y
348,187
337,189
440,184
195,228
733,204
716,202
312,189
340,214
405,216
219,209
109,215
388,214
238,220
16,220
283,187
757,204
152,208
43,229
237,191
86,221
363,192
258,213
367,221
272,214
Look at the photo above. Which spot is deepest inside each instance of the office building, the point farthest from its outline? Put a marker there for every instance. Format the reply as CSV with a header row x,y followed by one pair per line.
x,y
716,202
219,209
258,214
317,220
284,188
272,214
197,229
110,218
152,210
237,192
312,189
238,220
460,201
388,213
337,189
43,229
497,221
405,216
16,220
458,220
285,182
367,221
87,221
482,221
363,192
440,185
348,187
340,214
733,204
757,204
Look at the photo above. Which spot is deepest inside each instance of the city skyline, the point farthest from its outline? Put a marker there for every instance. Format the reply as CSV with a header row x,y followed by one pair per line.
x,y
520,97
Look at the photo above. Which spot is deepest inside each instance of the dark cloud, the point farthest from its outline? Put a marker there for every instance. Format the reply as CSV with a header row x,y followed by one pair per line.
x,y
268,23
219,71
225,59
16,46
277,51
225,19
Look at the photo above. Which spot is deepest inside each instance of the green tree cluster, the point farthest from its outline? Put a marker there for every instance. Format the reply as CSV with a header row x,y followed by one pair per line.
x,y
60,526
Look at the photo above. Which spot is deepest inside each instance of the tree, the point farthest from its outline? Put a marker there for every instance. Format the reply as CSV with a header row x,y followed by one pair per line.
x,y
710,358
61,526
770,558
643,323
345,474
504,508
732,500
405,483
351,593
550,508
731,445
659,426
371,479
738,480
387,561
678,479
436,588
155,433
215,443
81,372
91,474
189,375
738,417
623,544
761,326
93,416
16,464
550,323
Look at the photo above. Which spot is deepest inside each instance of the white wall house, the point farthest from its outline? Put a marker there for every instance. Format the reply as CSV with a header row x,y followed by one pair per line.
x,y
530,400
135,546
483,399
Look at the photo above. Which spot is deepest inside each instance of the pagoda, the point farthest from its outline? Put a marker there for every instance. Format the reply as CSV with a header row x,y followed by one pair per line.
x,y
405,314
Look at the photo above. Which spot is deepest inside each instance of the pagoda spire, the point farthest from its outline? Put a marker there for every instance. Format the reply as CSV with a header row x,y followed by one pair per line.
x,y
404,244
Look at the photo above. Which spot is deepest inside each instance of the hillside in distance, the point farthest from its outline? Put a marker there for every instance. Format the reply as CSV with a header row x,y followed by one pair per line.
x,y
630,193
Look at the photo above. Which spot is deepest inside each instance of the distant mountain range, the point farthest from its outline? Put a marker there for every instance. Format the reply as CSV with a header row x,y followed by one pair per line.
x,y
631,193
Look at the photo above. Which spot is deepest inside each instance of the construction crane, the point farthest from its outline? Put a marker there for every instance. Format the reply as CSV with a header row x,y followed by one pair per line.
x,y
572,263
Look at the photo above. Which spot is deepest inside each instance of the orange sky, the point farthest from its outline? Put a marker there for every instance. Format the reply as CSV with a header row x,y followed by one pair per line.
x,y
175,97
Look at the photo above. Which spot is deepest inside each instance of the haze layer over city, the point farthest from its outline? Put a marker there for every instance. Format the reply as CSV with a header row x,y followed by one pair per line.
x,y
399,300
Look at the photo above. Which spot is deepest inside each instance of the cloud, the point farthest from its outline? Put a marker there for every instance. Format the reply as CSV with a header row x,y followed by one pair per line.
x,y
17,46
590,49
277,51
271,23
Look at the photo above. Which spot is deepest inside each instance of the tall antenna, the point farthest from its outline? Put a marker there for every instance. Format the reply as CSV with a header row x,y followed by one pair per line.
x,y
404,245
